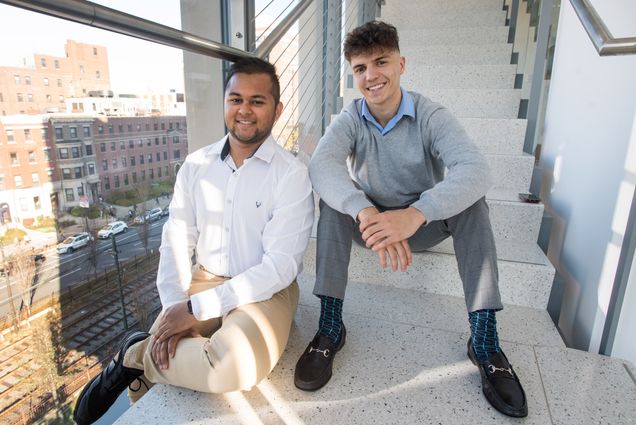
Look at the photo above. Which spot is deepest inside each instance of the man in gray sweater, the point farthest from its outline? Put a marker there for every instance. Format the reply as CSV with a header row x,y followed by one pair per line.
x,y
380,172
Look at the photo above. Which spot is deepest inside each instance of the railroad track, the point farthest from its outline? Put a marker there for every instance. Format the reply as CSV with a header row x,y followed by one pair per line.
x,y
90,331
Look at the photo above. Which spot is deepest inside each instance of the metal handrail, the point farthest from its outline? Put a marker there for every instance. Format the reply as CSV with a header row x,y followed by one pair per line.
x,y
95,15
604,42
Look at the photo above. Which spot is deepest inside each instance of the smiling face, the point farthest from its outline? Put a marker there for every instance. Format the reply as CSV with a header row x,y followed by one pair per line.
x,y
377,76
250,109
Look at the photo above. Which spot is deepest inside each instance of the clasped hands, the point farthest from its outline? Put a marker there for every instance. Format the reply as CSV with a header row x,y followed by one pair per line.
x,y
387,233
175,322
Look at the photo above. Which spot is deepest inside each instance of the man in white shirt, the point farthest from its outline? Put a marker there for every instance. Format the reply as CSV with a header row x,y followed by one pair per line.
x,y
244,208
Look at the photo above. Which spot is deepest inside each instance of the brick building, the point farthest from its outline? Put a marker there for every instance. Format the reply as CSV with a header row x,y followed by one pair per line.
x,y
50,80
135,150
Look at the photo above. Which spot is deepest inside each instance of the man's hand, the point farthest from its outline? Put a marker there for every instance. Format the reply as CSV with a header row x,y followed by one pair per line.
x,y
399,254
379,231
162,351
173,320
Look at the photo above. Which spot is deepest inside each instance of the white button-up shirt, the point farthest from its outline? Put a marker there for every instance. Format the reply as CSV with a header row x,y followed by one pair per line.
x,y
251,224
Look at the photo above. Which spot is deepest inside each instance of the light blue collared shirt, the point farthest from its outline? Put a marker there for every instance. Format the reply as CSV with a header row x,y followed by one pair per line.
x,y
406,108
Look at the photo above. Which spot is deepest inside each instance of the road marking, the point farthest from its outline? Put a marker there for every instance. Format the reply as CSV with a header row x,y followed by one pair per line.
x,y
71,272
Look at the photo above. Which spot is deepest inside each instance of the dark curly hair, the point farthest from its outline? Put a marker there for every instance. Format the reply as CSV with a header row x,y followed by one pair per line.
x,y
255,66
371,37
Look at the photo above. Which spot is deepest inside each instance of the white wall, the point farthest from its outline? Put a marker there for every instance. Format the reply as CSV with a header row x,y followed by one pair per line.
x,y
588,172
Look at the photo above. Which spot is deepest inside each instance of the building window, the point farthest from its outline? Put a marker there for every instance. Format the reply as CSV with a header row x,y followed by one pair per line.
x,y
159,172
134,177
10,137
151,174
70,195
176,154
20,97
45,133
104,165
114,162
113,146
63,153
81,69
123,161
59,82
170,126
138,127
149,158
66,173
49,98
158,156
47,154
80,191
140,143
132,161
155,126
91,168
98,75
111,130
116,181
36,202
14,158
131,144
46,81
163,125
56,63
43,62
122,145
16,78
60,98
165,155
100,129
165,171
125,179
72,131
59,134
89,150
143,175
175,139
78,172
75,152
130,128
147,126
30,97
35,178
148,142
87,131
106,183
120,128
178,125
94,51
17,180
141,159
156,141
27,135
32,157
102,147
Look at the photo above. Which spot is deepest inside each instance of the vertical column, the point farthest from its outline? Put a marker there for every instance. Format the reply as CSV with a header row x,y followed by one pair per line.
x,y
203,75
332,23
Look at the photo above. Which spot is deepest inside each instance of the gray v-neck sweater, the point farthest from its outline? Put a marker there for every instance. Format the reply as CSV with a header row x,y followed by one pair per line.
x,y
354,166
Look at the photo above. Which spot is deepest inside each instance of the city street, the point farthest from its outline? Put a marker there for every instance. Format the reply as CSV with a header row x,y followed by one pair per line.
x,y
60,271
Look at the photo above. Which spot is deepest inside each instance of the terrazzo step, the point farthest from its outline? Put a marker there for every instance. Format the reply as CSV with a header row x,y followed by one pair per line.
x,y
496,136
513,220
511,171
418,54
472,35
395,7
424,78
405,362
418,19
525,274
470,103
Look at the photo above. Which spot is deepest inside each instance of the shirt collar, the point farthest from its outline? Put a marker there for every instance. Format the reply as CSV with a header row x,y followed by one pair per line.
x,y
265,151
406,108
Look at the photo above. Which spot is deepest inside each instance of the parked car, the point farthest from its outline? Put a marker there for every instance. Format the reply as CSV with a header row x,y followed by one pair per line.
x,y
114,228
165,212
152,215
74,242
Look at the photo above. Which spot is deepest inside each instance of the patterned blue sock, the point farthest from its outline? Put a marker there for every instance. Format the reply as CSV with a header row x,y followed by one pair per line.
x,y
483,329
330,324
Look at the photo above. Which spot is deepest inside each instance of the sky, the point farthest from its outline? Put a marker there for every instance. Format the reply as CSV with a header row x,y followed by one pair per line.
x,y
136,66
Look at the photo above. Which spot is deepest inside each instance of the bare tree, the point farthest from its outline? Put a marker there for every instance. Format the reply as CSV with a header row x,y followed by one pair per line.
x,y
24,274
143,192
93,253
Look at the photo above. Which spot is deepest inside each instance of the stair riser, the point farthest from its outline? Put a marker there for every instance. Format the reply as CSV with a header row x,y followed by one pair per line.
x,y
519,283
455,36
426,78
441,6
511,172
503,137
457,54
456,20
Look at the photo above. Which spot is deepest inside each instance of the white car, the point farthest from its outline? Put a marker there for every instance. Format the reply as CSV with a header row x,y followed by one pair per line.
x,y
74,242
114,228
152,215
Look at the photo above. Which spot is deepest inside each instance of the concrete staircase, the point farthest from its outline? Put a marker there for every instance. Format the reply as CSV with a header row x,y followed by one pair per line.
x,y
405,358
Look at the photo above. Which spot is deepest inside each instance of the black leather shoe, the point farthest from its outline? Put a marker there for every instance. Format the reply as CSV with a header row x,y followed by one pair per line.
x,y
313,369
500,384
102,391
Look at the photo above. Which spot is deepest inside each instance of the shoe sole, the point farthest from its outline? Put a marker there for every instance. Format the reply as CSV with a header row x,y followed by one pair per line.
x,y
491,395
318,384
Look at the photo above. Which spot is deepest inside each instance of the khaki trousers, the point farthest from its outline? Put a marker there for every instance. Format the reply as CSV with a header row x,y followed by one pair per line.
x,y
235,352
